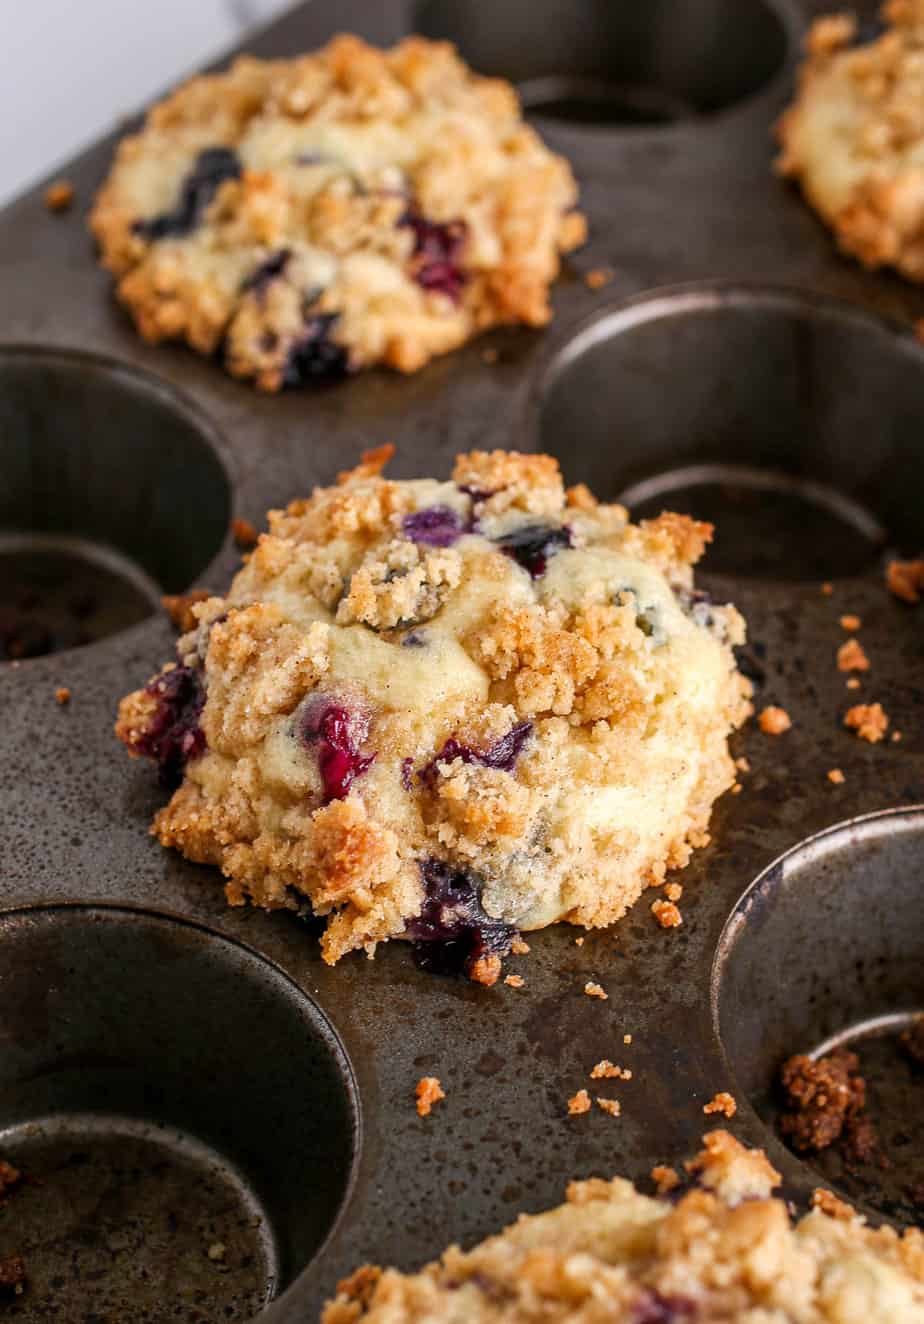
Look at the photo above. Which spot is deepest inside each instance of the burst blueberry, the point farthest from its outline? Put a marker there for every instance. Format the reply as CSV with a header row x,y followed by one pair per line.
x,y
173,735
212,168
338,733
315,356
502,754
438,249
453,934
533,544
436,526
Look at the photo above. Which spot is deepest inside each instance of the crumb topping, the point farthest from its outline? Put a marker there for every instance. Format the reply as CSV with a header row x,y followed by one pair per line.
x,y
868,720
723,1103
579,1103
851,657
774,721
428,1092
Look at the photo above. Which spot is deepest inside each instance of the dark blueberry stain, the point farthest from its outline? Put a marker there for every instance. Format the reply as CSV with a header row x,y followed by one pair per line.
x,y
173,734
533,544
452,932
407,768
212,168
416,639
338,734
314,356
503,754
437,253
436,526
259,280
477,494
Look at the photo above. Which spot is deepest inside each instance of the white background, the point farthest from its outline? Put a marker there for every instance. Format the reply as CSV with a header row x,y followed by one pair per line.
x,y
69,69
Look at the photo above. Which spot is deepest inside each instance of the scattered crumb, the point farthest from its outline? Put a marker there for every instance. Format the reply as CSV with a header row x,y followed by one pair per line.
x,y
673,891
824,1098
611,1106
59,196
627,1038
429,1091
851,657
579,942
829,1204
62,695
244,533
489,355
895,737
664,1178
853,683
598,277
579,1103
486,970
13,1274
217,1250
723,1102
607,1070
9,1177
519,947
906,580
667,914
179,607
742,764
515,981
836,776
850,622
595,990
736,788
774,721
827,590
868,720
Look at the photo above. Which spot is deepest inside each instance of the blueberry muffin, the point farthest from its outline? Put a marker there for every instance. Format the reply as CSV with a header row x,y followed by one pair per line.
x,y
449,711
350,207
854,137
720,1249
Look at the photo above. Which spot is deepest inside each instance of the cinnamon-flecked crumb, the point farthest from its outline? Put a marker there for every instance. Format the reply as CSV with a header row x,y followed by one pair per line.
x,y
723,1102
607,1070
428,1092
850,622
244,533
62,696
515,981
60,195
667,914
905,579
836,776
611,1106
579,1103
852,657
773,721
595,990
179,607
665,1179
868,720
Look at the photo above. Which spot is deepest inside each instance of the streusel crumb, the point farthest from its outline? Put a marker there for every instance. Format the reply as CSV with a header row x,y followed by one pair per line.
x,y
852,657
179,607
868,720
905,579
774,721
62,696
579,1103
59,196
723,1103
515,981
611,1106
595,990
836,777
428,1092
850,622
244,533
667,914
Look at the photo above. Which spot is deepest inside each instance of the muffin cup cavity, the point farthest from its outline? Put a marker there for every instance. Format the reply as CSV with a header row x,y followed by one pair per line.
x,y
184,1118
594,62
743,406
114,492
836,914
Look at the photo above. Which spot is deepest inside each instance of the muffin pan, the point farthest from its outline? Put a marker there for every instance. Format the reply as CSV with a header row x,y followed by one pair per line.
x,y
245,1113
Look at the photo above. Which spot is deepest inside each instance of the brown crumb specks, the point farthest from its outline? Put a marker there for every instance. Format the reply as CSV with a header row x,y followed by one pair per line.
x,y
244,533
60,195
667,914
673,891
836,777
579,1103
518,947
611,1106
850,622
515,981
723,1103
607,1070
179,607
853,683
598,278
852,657
664,1178
773,721
428,1092
905,579
594,990
869,720
62,696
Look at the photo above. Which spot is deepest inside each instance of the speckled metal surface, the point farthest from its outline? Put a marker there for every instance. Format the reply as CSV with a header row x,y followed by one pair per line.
x,y
824,383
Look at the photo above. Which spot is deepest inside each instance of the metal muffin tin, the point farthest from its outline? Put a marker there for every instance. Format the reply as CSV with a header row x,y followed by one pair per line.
x,y
212,1118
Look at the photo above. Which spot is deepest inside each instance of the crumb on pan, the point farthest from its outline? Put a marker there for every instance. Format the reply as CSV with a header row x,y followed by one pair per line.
x,y
611,1106
773,721
667,914
869,720
244,533
579,942
666,1179
723,1103
579,1103
428,1092
673,891
830,1205
895,737
607,1070
905,580
515,981
827,589
852,657
179,607
10,1177
59,196
519,947
594,990
849,622
822,1096
853,683
742,764
836,776
627,1038
62,696
598,278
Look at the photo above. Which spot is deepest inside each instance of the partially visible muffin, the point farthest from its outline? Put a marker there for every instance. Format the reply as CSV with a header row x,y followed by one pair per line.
x,y
854,136
723,1251
449,711
350,207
